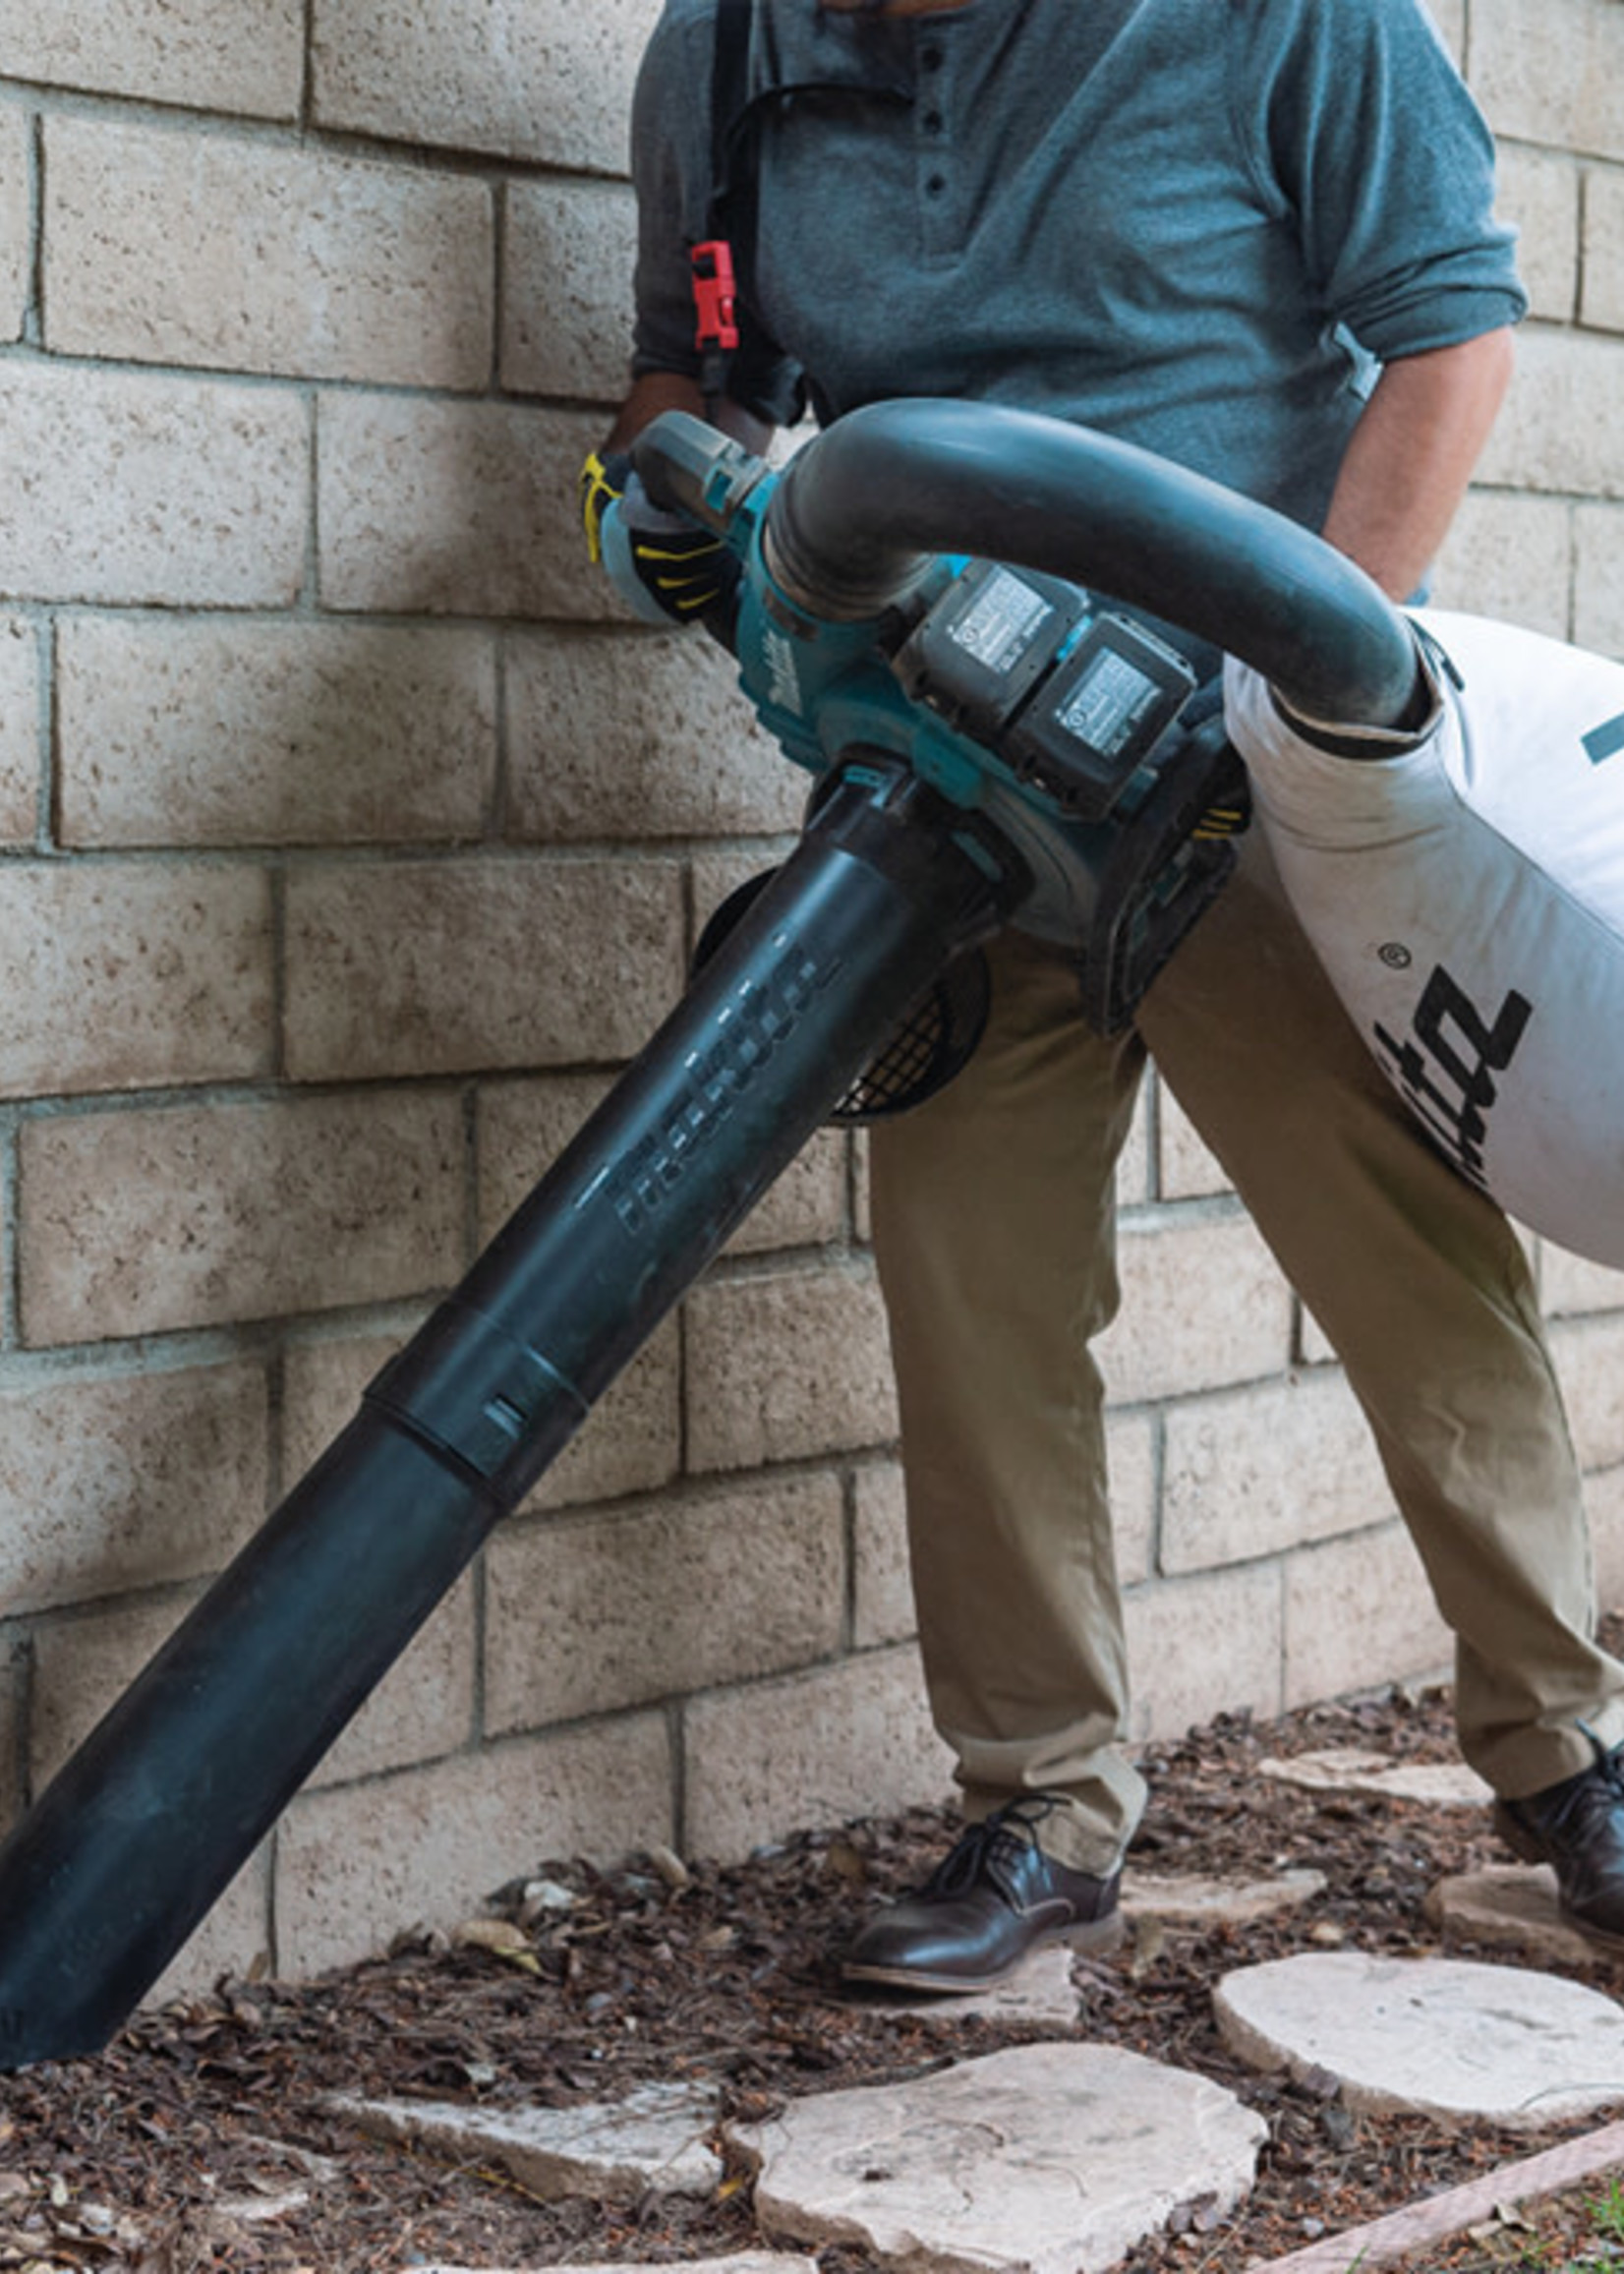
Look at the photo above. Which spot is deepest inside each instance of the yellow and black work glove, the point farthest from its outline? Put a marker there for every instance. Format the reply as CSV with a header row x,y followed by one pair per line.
x,y
667,566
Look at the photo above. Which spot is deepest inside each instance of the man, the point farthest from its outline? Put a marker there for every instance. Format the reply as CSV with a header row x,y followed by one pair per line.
x,y
1254,236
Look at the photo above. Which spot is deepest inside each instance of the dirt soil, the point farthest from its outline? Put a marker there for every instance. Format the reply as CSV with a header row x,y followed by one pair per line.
x,y
201,2137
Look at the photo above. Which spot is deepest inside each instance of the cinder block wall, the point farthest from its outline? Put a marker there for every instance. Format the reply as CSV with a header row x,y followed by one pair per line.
x,y
348,843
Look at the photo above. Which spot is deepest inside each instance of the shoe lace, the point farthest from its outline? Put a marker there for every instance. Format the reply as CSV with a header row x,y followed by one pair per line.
x,y
980,1852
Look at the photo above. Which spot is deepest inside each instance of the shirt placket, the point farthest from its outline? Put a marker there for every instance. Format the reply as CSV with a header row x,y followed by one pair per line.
x,y
934,144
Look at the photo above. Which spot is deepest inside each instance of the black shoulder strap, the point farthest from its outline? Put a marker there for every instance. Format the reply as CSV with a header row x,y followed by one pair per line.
x,y
757,376
730,97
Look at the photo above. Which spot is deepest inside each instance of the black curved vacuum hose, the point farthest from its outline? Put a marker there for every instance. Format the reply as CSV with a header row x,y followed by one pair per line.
x,y
857,508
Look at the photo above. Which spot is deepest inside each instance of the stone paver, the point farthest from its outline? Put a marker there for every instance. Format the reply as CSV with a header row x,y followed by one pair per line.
x,y
652,2142
1513,1904
1439,1783
1040,1990
1046,2159
1195,1902
1431,2036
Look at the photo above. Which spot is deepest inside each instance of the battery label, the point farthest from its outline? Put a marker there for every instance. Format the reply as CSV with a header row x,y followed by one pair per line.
x,y
1002,622
1109,703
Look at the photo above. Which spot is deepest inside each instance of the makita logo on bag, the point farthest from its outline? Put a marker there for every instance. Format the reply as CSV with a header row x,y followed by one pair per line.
x,y
1446,1068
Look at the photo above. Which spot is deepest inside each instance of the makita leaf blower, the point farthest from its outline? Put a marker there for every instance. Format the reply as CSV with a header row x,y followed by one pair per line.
x,y
990,743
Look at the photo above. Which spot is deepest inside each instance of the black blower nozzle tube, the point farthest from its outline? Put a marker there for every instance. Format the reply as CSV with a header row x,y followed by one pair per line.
x,y
859,507
106,1876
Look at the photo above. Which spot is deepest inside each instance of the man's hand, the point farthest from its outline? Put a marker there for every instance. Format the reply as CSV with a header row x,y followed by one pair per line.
x,y
668,568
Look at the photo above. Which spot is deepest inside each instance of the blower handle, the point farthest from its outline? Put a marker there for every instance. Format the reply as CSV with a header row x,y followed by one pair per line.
x,y
861,509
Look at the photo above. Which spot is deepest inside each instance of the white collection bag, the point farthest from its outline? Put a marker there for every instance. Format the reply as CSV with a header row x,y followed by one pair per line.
x,y
1466,900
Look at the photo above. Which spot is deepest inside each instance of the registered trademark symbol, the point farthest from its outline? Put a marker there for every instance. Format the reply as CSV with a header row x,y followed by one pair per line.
x,y
1396,955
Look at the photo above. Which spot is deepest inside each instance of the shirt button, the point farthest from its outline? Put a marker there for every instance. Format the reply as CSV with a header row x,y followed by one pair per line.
x,y
933,122
935,183
930,58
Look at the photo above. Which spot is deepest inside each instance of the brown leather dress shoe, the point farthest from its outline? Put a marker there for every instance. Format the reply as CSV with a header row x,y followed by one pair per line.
x,y
995,1897
1578,1828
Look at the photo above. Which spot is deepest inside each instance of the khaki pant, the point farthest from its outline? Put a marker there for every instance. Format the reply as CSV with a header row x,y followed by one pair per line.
x,y
993,1231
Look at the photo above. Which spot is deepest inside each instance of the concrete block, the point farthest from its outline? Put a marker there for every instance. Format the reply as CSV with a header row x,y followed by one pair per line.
x,y
1203,1307
719,871
862,1211
528,79
1598,578
435,968
614,731
1313,1344
137,489
1605,1509
807,1207
1601,301
184,248
787,1364
568,249
881,1589
216,731
424,1707
1135,1185
1589,1364
851,1740
1357,1611
1185,1167
449,508
244,57
13,1707
1131,1446
1538,195
82,1665
198,1517
523,1126
1558,431
1202,1646
1256,1472
1450,18
20,699
1572,1285
358,1863
109,1482
520,1129
1549,75
16,221
589,1615
322,1377
1510,557
630,1442
157,1218
119,977
233,1938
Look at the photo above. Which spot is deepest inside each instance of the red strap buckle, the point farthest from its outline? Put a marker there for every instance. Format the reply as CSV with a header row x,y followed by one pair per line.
x,y
712,265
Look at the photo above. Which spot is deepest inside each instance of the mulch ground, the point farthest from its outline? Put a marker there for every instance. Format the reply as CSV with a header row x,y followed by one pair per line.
x,y
201,2139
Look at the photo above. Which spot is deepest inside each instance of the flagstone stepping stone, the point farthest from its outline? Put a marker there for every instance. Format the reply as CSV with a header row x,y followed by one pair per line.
x,y
1437,2037
1439,1784
1209,1903
654,2141
1044,2159
1040,1990
1514,1904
